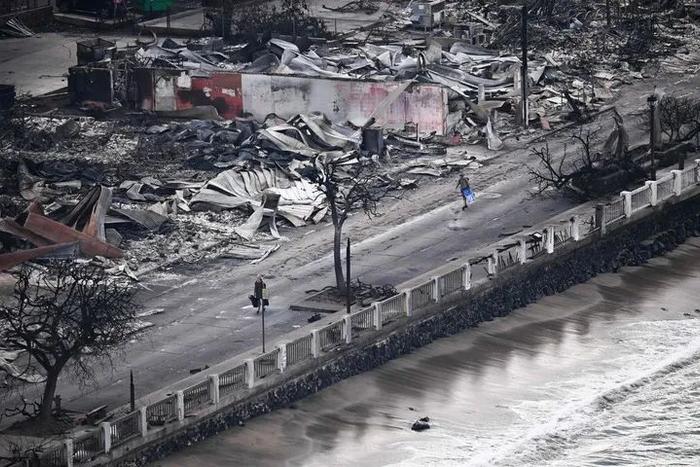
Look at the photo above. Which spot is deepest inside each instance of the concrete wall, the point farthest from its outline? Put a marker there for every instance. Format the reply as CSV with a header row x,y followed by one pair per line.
x,y
340,100
345,100
569,249
549,274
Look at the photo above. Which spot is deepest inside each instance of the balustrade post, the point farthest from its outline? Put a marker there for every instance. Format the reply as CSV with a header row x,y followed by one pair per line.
x,y
347,327
377,315
106,428
467,278
180,398
436,289
600,218
576,228
697,171
282,357
549,239
627,196
653,191
250,372
143,421
677,182
522,250
492,264
214,388
68,445
407,300
315,344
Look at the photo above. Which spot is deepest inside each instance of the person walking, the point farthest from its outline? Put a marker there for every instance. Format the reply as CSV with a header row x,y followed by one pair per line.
x,y
465,190
260,294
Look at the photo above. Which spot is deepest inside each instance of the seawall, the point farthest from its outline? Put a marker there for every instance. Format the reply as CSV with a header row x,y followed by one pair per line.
x,y
575,262
545,259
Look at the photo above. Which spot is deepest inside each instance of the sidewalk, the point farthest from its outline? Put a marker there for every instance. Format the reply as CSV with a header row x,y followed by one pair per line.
x,y
205,314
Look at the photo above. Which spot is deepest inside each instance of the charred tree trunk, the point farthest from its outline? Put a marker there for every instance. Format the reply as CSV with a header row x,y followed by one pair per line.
x,y
337,259
49,392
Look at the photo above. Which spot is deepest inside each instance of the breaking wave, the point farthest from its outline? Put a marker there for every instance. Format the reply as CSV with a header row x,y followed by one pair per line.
x,y
553,440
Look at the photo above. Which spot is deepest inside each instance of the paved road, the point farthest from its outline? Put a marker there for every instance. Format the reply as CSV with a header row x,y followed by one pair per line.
x,y
206,318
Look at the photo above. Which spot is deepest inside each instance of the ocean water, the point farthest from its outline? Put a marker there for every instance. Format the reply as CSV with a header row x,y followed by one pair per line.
x,y
606,373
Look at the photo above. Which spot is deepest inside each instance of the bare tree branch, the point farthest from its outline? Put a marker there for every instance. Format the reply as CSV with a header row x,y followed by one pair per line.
x,y
66,313
349,185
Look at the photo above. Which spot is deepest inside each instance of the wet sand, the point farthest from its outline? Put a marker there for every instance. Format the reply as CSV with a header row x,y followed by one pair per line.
x,y
560,382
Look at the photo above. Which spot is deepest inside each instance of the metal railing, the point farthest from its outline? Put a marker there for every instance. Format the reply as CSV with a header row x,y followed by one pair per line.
x,y
232,380
125,428
88,446
562,233
586,225
266,364
614,211
689,177
664,187
196,396
299,350
92,444
162,412
508,258
331,336
535,245
451,282
361,320
55,457
641,198
422,295
392,308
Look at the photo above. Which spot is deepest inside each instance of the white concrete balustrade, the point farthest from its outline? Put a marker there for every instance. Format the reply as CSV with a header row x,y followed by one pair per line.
x,y
229,386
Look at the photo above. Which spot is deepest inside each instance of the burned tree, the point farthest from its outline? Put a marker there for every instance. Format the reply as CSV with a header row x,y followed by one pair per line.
x,y
679,118
348,185
586,173
65,314
292,18
560,173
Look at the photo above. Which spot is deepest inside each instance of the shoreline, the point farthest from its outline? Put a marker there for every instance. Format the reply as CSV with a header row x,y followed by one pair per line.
x,y
476,368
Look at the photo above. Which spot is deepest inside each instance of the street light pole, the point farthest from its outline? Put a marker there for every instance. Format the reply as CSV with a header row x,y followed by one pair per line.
x,y
132,391
651,100
348,287
523,73
263,327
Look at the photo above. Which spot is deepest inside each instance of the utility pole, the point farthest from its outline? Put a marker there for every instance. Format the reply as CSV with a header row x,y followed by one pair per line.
x,y
607,12
348,289
651,100
263,327
523,73
132,391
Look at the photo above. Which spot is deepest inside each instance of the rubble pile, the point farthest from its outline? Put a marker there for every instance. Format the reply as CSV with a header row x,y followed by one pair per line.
x,y
180,187
576,60
135,198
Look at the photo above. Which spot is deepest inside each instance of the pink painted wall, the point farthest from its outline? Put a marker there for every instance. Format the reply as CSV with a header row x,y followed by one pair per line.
x,y
339,99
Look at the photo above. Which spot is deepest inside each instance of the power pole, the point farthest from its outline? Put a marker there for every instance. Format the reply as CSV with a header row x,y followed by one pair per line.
x,y
651,100
132,391
263,327
523,73
348,295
